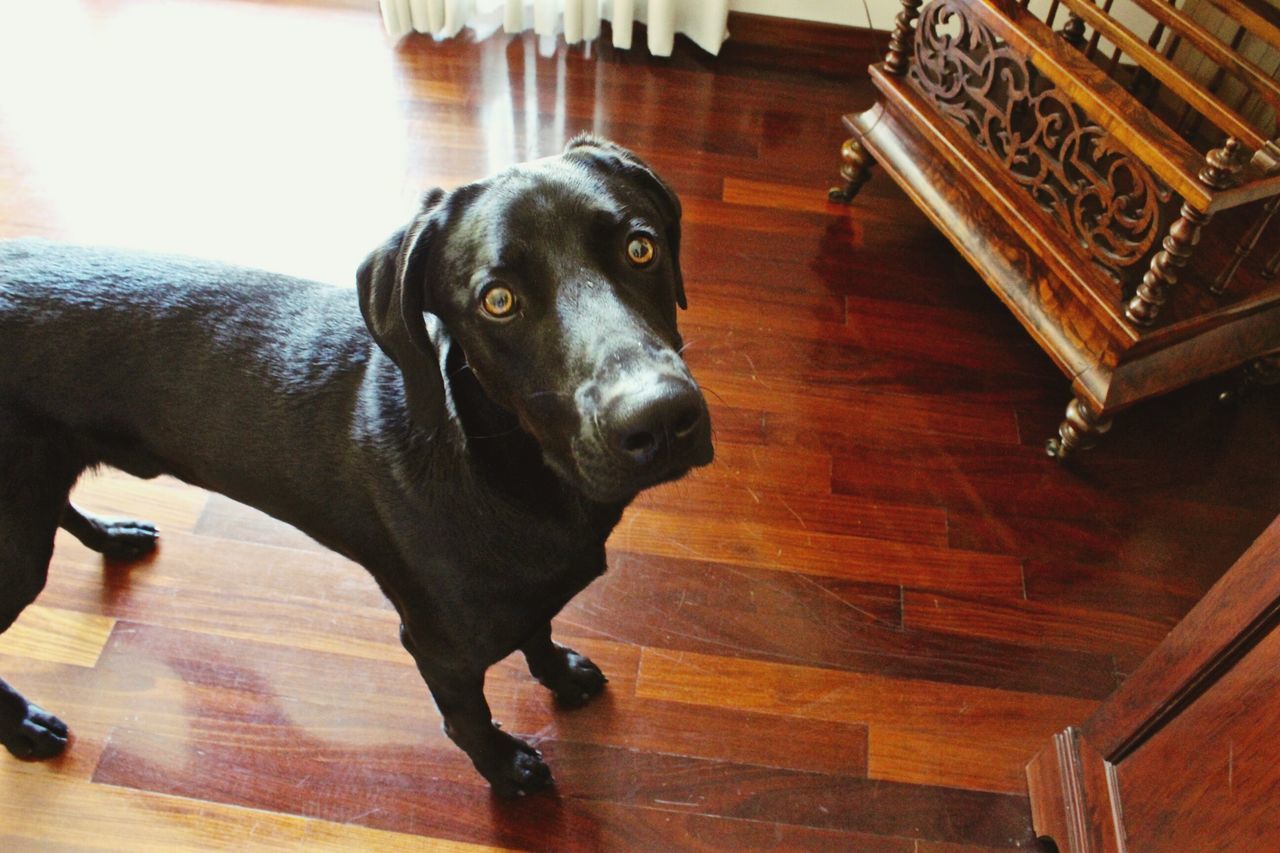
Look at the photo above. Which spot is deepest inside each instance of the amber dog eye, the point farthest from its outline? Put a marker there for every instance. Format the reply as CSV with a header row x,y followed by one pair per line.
x,y
640,250
499,302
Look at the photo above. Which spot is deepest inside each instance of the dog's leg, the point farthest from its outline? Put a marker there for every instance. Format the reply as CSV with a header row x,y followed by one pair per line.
x,y
512,767
36,475
572,678
26,730
118,539
26,544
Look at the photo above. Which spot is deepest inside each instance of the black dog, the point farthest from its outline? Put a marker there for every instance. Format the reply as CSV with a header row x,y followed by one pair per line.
x,y
525,384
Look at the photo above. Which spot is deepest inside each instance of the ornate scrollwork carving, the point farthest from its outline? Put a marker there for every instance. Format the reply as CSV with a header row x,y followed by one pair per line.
x,y
1075,171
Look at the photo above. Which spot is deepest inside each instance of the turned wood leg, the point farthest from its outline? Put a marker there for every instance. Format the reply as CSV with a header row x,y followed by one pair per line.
x,y
1079,431
1260,373
855,168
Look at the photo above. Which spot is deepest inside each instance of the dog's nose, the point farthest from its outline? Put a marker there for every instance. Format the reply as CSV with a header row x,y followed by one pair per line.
x,y
659,423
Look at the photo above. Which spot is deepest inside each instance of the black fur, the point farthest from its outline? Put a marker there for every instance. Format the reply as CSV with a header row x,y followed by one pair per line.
x,y
474,466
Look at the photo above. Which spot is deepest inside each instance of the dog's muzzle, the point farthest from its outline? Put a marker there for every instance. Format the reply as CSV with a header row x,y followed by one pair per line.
x,y
641,430
662,423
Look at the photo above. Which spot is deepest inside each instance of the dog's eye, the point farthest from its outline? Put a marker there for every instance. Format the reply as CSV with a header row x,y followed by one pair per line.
x,y
640,250
499,302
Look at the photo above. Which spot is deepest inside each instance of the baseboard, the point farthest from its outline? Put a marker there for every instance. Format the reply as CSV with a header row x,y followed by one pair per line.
x,y
873,14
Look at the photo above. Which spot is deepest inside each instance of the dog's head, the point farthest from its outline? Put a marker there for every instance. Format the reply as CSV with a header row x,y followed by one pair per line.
x,y
559,279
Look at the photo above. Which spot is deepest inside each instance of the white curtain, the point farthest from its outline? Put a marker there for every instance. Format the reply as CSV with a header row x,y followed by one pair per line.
x,y
703,21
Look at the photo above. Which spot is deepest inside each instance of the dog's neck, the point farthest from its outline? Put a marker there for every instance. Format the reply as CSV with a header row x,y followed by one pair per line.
x,y
510,459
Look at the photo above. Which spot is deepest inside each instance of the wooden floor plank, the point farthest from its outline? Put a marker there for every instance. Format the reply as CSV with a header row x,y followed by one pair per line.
x,y
805,509
738,542
1006,724
738,466
409,790
830,623
163,501
243,723
56,635
886,413
1035,623
33,816
285,595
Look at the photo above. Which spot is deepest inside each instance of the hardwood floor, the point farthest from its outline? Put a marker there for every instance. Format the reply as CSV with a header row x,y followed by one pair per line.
x,y
851,632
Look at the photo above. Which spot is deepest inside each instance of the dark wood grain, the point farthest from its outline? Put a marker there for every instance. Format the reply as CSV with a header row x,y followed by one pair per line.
x,y
1227,797
1183,754
851,633
1245,597
825,622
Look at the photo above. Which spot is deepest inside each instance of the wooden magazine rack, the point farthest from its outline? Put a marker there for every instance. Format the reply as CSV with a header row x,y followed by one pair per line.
x,y
1121,206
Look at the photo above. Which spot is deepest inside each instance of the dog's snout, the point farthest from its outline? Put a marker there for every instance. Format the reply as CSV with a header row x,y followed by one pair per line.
x,y
658,423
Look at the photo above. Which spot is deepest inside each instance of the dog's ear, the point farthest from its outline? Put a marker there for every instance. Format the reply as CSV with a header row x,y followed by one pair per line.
x,y
393,296
614,159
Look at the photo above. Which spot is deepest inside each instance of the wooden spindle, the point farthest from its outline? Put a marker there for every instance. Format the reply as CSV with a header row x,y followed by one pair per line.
x,y
1115,64
1176,251
1246,246
898,58
1216,83
1157,33
1093,41
1221,169
1052,14
1272,268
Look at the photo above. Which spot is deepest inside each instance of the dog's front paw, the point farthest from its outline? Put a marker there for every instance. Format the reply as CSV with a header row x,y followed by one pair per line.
x,y
36,734
513,768
577,681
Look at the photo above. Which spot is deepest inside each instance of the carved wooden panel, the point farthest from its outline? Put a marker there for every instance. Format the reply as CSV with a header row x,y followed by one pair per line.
x,y
1090,185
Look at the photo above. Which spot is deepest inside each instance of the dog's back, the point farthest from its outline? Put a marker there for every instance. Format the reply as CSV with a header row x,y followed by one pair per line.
x,y
151,362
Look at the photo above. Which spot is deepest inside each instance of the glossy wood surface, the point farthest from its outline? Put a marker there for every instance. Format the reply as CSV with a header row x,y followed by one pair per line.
x,y
1183,756
1131,301
1155,63
851,632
